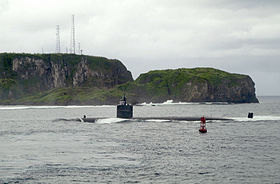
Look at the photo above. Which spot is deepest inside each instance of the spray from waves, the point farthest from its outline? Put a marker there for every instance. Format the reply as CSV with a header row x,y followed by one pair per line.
x,y
110,120
168,102
86,106
19,107
121,120
171,102
257,118
157,120
27,107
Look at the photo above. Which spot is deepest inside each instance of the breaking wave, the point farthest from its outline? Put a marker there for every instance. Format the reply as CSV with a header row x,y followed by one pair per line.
x,y
19,107
171,102
110,120
157,120
257,118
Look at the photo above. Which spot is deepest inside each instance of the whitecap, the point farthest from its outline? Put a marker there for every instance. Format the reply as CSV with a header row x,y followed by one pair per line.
x,y
257,118
20,107
8,107
109,120
168,102
157,120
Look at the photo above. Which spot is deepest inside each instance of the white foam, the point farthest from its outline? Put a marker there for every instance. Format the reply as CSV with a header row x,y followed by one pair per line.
x,y
86,106
27,107
110,120
188,103
171,102
257,118
157,120
168,102
145,104
19,107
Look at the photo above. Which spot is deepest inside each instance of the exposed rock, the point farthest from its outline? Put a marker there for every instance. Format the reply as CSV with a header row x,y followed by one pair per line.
x,y
243,92
36,73
193,85
73,79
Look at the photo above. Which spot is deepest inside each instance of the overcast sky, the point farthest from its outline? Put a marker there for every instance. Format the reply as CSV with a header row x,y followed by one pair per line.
x,y
239,36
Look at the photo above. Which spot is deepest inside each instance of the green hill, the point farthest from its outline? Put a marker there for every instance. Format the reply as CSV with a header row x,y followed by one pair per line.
x,y
23,75
192,85
64,79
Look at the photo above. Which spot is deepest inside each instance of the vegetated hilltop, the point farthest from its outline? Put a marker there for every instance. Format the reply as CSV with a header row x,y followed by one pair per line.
x,y
68,79
22,75
192,85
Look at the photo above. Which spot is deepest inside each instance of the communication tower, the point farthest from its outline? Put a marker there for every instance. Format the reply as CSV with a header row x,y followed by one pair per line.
x,y
57,39
72,40
79,46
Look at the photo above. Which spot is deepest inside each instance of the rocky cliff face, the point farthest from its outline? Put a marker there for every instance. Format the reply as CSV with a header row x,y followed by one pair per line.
x,y
194,85
73,79
242,92
35,73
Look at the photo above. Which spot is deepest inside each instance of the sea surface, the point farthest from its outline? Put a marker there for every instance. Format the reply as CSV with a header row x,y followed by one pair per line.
x,y
37,147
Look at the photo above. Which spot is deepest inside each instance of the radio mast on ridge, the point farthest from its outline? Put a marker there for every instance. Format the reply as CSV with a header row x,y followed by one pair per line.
x,y
57,39
72,40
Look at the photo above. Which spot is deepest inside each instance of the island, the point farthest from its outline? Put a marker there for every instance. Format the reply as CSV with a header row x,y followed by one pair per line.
x,y
70,79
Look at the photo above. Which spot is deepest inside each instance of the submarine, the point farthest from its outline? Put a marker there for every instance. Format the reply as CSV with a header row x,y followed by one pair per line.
x,y
125,111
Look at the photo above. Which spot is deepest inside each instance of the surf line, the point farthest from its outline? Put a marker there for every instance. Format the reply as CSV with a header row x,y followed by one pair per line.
x,y
170,118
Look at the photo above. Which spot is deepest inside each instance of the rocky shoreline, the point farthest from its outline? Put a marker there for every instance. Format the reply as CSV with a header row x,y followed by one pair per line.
x,y
68,79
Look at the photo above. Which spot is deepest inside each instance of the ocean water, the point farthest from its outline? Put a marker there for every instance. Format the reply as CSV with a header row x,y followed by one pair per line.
x,y
37,147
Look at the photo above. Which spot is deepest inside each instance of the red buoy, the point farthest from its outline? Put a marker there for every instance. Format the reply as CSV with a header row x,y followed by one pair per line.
x,y
202,125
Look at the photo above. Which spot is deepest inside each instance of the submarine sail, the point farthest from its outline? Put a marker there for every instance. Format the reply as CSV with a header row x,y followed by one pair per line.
x,y
124,110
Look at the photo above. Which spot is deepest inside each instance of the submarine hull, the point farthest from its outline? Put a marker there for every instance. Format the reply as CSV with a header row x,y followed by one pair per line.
x,y
168,118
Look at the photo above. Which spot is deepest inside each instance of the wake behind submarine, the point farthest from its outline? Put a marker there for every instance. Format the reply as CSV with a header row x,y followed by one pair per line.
x,y
125,111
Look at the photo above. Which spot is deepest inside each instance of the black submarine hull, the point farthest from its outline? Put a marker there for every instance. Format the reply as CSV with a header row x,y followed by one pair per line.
x,y
93,120
125,112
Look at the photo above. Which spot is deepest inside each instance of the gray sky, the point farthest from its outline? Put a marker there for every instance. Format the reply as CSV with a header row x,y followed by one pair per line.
x,y
239,36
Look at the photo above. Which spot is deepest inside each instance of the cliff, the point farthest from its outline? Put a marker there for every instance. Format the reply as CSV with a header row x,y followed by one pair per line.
x,y
23,75
68,79
193,85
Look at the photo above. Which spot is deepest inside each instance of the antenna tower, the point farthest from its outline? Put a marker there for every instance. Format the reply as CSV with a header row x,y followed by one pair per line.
x,y
73,35
57,39
79,47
